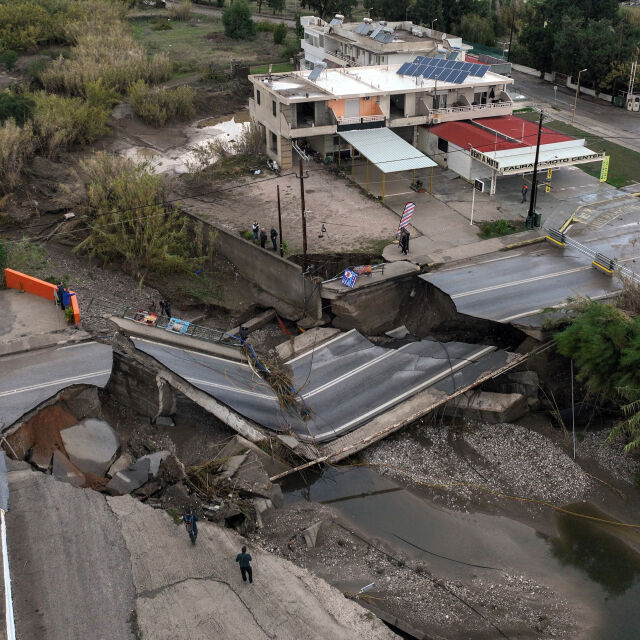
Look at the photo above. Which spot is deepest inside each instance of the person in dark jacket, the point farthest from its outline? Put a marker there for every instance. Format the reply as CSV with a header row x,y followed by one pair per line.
x,y
244,559
255,227
190,522
525,188
263,238
61,295
274,237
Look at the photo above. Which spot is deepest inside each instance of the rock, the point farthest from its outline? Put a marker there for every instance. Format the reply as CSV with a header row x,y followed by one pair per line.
x,y
92,446
252,479
165,421
65,471
239,445
176,496
310,534
122,463
288,441
487,406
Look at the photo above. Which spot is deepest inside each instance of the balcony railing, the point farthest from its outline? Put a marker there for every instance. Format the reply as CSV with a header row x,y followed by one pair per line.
x,y
469,108
359,120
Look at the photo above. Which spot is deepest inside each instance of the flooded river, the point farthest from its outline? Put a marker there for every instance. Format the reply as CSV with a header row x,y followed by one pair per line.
x,y
587,563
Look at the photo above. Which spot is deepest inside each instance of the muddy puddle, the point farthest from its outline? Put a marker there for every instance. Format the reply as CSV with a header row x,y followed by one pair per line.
x,y
177,159
590,564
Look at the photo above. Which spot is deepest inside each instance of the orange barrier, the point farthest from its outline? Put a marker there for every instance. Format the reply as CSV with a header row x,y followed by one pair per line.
x,y
41,288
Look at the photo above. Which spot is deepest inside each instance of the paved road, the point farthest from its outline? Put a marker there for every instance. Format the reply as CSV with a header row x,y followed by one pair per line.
x,y
519,285
27,379
343,383
590,113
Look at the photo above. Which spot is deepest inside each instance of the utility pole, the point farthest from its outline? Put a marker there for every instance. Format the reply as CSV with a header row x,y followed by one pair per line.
x,y
513,22
304,220
534,181
280,221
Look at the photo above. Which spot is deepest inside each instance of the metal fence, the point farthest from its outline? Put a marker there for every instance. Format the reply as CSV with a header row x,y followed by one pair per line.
x,y
181,327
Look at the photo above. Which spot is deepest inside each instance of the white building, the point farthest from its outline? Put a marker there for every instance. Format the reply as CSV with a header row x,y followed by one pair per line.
x,y
369,43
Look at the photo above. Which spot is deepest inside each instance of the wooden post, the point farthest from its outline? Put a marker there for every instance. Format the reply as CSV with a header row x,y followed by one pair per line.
x,y
280,221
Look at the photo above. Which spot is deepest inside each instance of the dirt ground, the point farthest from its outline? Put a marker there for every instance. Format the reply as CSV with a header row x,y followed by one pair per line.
x,y
353,221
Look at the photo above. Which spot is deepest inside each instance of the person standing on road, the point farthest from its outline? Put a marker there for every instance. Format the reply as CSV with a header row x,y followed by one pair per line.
x,y
244,559
190,519
263,238
274,237
525,188
255,227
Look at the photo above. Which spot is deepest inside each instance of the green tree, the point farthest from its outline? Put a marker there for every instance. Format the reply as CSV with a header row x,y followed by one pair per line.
x,y
475,28
328,8
16,106
391,10
237,21
280,33
426,11
276,5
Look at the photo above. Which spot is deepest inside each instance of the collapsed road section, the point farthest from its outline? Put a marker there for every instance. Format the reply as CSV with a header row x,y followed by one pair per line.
x,y
349,390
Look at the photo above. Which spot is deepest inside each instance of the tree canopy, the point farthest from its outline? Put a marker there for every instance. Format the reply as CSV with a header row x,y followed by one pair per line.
x,y
237,21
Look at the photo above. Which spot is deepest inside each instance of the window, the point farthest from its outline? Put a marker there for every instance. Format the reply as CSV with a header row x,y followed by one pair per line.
x,y
257,97
274,143
308,37
274,108
336,141
443,145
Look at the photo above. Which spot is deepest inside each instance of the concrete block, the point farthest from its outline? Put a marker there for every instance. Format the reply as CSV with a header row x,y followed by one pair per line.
x,y
139,473
255,323
240,445
288,441
232,464
310,534
122,463
305,341
65,471
399,332
165,421
92,445
488,406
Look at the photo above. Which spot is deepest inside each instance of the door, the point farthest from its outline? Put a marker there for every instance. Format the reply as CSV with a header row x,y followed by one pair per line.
x,y
352,108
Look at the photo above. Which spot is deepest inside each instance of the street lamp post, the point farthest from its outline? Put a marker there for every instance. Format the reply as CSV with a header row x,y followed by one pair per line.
x,y
433,22
534,181
575,102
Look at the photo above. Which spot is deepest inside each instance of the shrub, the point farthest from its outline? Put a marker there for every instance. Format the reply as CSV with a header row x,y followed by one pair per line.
x,y
162,25
111,55
16,147
123,226
16,106
180,11
290,49
8,58
156,106
280,33
265,26
61,122
25,256
237,21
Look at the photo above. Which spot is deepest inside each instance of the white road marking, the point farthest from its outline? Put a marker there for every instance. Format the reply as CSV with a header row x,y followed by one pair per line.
x,y
223,387
321,346
198,353
519,282
52,383
408,393
79,344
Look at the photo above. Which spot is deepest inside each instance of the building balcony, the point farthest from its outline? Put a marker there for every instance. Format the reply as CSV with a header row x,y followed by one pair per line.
x,y
305,129
339,59
407,121
451,114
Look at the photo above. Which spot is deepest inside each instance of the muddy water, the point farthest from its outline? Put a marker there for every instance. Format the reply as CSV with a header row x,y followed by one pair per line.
x,y
588,564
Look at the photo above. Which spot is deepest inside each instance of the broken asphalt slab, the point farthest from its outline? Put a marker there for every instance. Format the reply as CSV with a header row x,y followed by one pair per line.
x,y
140,472
92,445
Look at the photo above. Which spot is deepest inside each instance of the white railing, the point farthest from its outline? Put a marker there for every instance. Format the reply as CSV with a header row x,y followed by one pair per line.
x,y
469,108
359,119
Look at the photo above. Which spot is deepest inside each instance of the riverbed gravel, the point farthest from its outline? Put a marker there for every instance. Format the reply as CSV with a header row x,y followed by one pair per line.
x,y
481,605
503,458
610,455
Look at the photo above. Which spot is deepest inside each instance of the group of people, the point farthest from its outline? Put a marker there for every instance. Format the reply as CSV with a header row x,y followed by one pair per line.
x,y
260,234
190,520
63,296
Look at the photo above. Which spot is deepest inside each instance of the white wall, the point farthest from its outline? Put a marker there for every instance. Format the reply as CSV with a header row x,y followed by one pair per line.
x,y
459,161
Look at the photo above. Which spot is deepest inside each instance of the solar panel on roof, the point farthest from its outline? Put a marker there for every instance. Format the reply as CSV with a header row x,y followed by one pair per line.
x,y
440,62
403,68
448,75
419,59
376,31
466,66
410,69
432,72
387,38
335,22
483,69
462,76
318,68
453,55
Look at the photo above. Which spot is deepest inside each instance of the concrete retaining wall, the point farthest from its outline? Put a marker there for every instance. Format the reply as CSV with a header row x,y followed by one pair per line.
x,y
41,288
275,275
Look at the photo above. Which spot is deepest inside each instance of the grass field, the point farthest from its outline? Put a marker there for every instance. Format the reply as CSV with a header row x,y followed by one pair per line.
x,y
194,44
624,166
